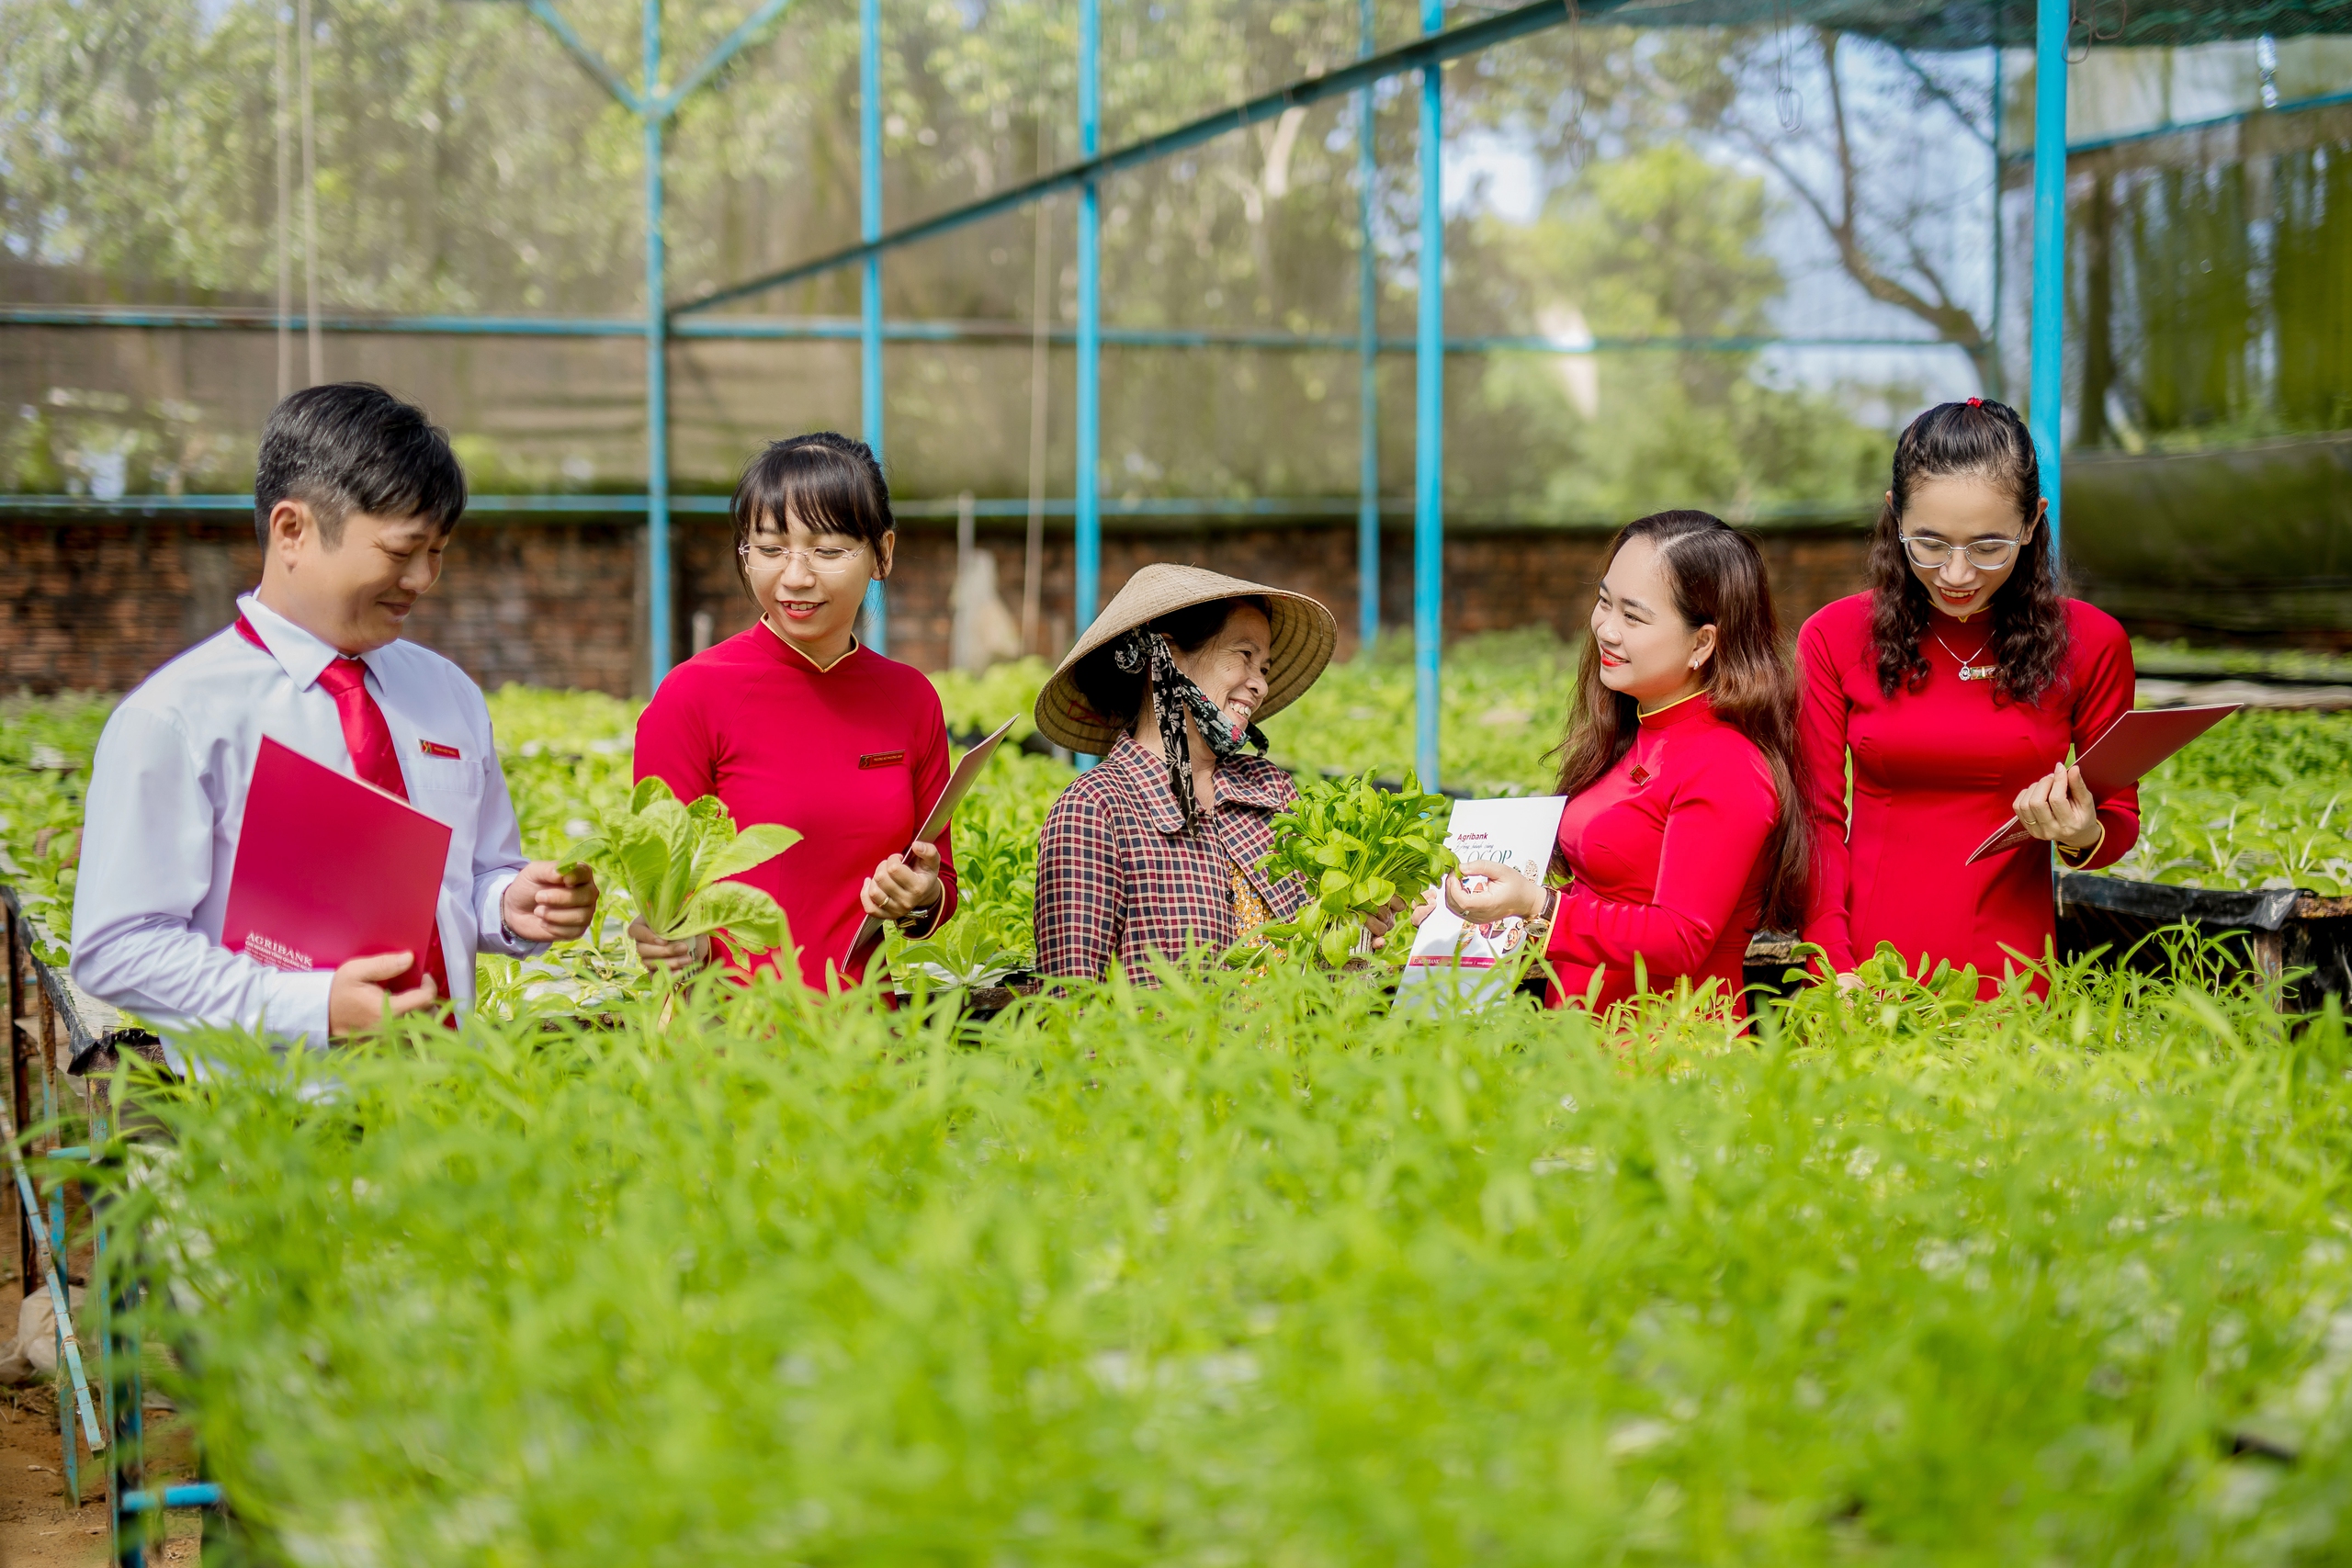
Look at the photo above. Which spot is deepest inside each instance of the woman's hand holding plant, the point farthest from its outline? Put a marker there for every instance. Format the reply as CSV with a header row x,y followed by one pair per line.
x,y
678,957
1379,922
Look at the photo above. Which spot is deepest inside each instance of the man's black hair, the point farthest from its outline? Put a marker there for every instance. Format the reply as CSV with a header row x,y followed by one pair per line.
x,y
353,446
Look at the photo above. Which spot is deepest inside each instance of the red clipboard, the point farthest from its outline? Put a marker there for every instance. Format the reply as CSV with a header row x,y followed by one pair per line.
x,y
329,868
2124,754
942,811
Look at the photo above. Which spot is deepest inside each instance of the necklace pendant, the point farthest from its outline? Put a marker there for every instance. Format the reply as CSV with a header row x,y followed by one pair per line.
x,y
1979,672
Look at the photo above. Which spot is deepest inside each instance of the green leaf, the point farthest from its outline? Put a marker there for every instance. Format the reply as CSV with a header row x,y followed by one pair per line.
x,y
682,836
640,858
586,851
755,846
751,918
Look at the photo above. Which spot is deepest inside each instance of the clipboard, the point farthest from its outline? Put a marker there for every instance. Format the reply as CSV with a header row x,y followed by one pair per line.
x,y
2123,754
942,811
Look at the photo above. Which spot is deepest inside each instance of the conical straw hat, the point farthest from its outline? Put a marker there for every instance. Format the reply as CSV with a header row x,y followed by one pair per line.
x,y
1305,634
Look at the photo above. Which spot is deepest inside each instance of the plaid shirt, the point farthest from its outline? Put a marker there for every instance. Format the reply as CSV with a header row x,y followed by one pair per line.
x,y
1118,877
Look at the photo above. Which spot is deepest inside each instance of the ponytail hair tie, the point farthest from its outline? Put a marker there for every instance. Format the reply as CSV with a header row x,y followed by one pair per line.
x,y
1976,403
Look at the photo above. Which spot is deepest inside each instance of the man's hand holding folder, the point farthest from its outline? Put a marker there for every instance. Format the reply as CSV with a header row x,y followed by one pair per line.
x,y
544,903
361,997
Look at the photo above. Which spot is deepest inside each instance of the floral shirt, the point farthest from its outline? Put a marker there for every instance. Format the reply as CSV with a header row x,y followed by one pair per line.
x,y
1120,878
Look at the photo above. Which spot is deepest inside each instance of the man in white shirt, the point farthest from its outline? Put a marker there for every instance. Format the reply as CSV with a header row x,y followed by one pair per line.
x,y
356,495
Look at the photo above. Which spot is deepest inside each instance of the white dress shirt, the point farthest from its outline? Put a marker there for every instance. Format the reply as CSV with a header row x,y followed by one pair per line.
x,y
167,798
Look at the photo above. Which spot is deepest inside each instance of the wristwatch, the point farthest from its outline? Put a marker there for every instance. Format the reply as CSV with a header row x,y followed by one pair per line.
x,y
1540,927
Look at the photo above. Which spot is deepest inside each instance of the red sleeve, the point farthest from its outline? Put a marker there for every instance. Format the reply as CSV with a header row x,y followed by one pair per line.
x,y
674,741
1822,713
1715,830
931,776
1080,890
2104,690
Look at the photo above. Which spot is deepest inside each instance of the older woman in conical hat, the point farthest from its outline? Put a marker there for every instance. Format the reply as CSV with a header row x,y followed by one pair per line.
x,y
1156,849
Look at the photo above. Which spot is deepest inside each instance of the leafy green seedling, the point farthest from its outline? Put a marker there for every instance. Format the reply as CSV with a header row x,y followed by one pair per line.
x,y
965,957
1358,846
673,860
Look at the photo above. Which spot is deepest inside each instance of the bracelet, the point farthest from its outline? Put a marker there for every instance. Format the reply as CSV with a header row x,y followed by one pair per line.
x,y
2076,857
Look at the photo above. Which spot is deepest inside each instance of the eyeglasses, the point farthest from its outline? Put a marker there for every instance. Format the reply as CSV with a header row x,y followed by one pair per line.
x,y
1930,553
828,559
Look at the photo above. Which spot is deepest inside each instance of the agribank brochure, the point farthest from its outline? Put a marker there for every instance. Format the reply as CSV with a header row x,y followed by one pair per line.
x,y
1456,964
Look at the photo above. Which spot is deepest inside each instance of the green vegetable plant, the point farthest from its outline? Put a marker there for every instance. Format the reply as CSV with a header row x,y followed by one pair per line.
x,y
674,859
2259,802
1358,846
1250,1270
964,956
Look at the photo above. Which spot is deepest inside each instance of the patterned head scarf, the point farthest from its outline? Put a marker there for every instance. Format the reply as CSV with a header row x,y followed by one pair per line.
x,y
1174,695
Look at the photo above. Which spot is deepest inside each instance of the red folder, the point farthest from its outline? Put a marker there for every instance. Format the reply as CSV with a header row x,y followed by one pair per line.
x,y
329,868
2124,754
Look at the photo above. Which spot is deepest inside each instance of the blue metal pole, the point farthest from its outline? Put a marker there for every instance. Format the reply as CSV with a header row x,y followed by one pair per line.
x,y
1993,326
1429,420
62,1306
1367,362
657,370
869,201
1087,587
188,1495
2048,392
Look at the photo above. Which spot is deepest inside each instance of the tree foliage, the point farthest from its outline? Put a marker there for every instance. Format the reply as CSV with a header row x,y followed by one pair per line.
x,y
467,164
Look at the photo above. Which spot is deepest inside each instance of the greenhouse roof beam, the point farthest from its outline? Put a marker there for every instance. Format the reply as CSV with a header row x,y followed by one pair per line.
x,y
728,48
655,105
590,60
2023,157
844,329
1433,49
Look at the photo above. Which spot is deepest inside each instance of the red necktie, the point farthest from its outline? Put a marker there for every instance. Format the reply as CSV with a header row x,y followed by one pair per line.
x,y
374,759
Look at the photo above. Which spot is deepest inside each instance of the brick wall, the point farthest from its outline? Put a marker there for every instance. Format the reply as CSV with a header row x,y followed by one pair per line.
x,y
98,604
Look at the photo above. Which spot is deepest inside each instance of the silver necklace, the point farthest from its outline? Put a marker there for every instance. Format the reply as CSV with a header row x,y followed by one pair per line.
x,y
1969,668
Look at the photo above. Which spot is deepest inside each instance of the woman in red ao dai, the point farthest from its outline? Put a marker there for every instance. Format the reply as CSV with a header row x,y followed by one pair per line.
x,y
1957,685
795,721
1683,831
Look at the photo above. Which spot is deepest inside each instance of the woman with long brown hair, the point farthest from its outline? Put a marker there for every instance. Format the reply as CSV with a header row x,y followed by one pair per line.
x,y
1958,682
1684,829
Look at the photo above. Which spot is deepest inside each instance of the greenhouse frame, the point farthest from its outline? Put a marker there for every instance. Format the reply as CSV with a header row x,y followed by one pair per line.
x,y
2052,29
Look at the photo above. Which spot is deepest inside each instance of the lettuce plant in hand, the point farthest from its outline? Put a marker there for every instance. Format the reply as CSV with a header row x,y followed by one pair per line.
x,y
1358,847
673,860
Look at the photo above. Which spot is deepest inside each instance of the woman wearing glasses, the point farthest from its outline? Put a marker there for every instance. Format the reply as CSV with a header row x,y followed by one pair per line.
x,y
793,722
1958,684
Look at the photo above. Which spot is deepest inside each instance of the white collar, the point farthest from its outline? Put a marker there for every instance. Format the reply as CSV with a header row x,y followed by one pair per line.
x,y
302,654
